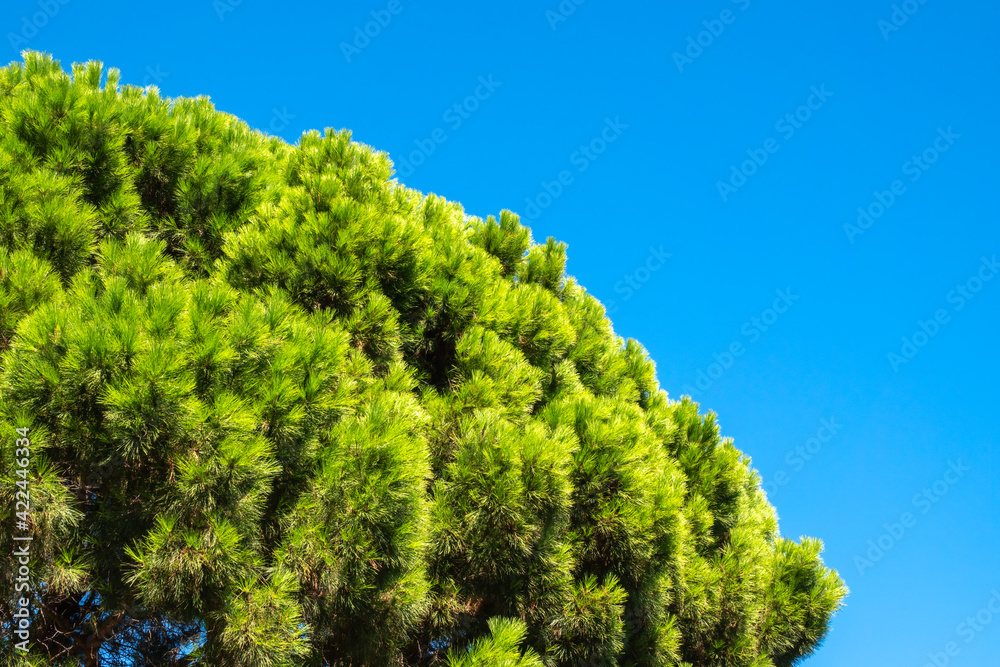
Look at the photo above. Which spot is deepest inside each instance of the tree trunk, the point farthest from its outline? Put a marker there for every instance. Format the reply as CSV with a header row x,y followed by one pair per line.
x,y
91,656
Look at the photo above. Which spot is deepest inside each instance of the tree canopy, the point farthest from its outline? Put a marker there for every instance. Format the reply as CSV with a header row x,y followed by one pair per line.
x,y
284,410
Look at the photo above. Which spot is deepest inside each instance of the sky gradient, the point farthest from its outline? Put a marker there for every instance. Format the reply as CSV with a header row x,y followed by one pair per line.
x,y
788,206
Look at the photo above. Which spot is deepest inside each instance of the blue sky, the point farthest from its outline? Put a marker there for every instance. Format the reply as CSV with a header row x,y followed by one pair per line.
x,y
702,186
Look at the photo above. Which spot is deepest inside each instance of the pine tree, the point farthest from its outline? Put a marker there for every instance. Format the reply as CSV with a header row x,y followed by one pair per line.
x,y
285,410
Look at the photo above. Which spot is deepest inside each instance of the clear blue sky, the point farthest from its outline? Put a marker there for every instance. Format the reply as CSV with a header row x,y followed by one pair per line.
x,y
912,108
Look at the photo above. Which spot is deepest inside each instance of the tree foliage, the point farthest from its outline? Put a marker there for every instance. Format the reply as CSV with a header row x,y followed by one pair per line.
x,y
287,411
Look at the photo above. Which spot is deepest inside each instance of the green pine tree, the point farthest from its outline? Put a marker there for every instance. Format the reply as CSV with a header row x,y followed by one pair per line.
x,y
287,411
